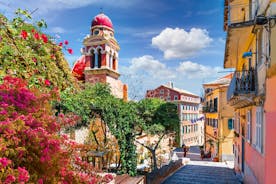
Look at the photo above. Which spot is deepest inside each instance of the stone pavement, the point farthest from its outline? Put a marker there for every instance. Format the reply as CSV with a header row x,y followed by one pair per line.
x,y
205,172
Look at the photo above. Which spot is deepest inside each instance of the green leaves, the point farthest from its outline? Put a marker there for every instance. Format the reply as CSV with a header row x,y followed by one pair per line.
x,y
27,53
41,24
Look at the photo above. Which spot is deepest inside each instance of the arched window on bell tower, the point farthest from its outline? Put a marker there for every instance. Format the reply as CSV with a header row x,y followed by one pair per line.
x,y
99,58
92,59
110,61
114,63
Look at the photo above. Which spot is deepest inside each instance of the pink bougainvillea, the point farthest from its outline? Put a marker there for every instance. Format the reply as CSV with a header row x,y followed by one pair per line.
x,y
70,51
47,82
24,34
31,147
44,38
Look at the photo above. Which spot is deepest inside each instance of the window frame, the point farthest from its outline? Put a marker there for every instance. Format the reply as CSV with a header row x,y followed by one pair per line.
x,y
249,126
259,145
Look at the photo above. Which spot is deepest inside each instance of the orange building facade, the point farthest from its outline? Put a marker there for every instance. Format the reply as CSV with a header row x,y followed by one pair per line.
x,y
219,134
251,50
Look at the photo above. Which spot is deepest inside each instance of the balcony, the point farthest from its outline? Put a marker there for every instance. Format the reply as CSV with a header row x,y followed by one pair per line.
x,y
207,109
242,88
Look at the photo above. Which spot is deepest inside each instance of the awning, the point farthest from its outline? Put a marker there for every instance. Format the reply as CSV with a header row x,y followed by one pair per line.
x,y
239,38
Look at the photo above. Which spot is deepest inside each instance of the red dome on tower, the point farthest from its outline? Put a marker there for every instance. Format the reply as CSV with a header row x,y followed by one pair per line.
x,y
102,20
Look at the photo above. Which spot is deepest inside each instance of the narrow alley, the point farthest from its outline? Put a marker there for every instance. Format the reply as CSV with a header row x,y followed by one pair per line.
x,y
202,171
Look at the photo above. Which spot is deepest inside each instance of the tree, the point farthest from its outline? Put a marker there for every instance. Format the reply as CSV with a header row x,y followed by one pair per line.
x,y
119,116
159,118
81,101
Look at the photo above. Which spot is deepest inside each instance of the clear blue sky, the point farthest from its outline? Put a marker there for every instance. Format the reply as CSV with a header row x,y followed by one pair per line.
x,y
161,40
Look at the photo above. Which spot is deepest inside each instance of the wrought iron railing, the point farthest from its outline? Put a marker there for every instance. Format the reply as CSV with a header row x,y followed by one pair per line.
x,y
242,83
209,109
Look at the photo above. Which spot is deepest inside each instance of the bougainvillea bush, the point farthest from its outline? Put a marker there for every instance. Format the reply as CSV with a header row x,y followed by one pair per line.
x,y
32,72
31,147
28,53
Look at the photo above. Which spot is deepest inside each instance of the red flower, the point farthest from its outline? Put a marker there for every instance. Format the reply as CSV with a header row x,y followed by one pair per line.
x,y
10,179
47,82
24,34
66,42
23,175
34,59
40,181
70,51
60,44
53,56
33,30
44,38
36,35
4,162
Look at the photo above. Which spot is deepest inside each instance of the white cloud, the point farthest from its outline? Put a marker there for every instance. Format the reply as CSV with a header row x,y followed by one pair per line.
x,y
178,43
57,30
151,67
196,70
146,73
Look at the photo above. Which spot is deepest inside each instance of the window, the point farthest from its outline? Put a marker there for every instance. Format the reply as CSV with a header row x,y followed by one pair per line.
x,y
215,104
161,91
110,61
99,59
175,97
92,60
252,8
230,124
96,32
259,128
237,127
248,128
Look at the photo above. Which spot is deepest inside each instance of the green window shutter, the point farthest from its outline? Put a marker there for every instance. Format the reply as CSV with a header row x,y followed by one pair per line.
x,y
230,124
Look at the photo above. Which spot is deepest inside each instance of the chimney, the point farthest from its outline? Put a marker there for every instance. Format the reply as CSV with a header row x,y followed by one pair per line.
x,y
170,84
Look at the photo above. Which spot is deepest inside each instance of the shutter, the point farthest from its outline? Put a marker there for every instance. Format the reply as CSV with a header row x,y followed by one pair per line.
x,y
230,124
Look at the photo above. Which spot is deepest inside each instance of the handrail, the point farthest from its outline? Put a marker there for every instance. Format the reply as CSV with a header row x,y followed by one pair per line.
x,y
242,83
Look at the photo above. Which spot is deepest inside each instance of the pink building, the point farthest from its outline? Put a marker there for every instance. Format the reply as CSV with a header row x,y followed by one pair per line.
x,y
99,60
191,121
251,50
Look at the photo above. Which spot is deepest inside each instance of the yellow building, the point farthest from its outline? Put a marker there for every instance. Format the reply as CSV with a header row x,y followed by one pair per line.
x,y
250,50
219,132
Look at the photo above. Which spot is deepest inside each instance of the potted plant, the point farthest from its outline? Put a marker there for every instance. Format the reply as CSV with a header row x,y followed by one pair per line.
x,y
216,159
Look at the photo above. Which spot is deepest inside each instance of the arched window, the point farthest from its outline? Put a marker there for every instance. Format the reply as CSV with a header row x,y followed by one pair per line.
x,y
110,61
114,63
99,58
92,59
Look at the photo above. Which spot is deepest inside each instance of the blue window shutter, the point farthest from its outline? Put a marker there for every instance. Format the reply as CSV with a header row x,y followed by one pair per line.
x,y
230,124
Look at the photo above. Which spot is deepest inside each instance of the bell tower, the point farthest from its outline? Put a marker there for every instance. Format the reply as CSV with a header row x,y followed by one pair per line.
x,y
99,60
